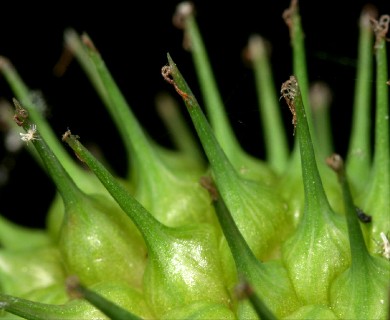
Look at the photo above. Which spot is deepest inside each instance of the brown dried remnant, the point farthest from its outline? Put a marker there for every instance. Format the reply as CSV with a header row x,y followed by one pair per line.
x,y
69,136
73,287
88,42
289,13
207,183
243,290
66,135
166,72
368,13
21,114
380,28
183,11
289,91
257,48
63,62
335,162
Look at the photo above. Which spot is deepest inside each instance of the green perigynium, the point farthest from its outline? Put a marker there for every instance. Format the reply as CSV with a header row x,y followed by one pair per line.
x,y
210,232
366,273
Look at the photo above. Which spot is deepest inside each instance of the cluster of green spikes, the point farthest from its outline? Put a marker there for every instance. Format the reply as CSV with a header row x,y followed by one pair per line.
x,y
206,230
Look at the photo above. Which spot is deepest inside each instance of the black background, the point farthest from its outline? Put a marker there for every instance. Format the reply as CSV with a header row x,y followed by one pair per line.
x,y
134,38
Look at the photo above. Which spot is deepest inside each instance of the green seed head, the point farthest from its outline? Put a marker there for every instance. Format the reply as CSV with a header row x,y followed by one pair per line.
x,y
206,230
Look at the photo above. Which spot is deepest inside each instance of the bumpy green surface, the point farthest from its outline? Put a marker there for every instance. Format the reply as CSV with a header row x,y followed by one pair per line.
x,y
210,233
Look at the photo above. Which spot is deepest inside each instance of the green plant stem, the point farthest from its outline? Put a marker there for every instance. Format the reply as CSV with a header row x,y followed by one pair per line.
x,y
320,231
245,260
23,94
367,273
240,159
227,174
145,222
358,158
320,99
77,47
276,145
129,128
293,20
33,310
299,59
381,160
315,196
357,244
165,285
267,297
181,134
131,131
212,99
110,309
375,199
248,200
70,192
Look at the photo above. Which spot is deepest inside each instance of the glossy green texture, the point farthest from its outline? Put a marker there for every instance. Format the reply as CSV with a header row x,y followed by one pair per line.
x,y
268,280
98,234
290,182
363,289
77,309
375,198
256,208
81,177
200,310
183,268
320,241
170,193
44,268
212,233
319,312
95,232
183,263
245,164
362,293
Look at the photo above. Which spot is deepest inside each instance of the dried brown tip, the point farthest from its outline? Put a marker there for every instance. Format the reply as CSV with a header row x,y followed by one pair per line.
x,y
335,162
63,62
5,63
208,183
243,290
183,11
257,47
289,13
21,114
380,28
320,95
289,91
369,12
66,135
166,72
88,42
72,284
